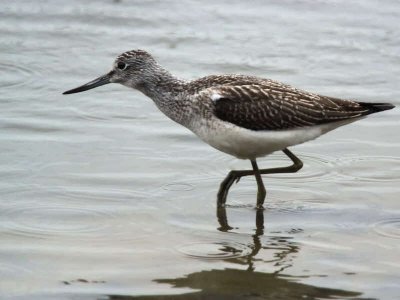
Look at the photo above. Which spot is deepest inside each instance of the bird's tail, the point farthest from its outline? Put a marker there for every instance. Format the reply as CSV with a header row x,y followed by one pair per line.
x,y
376,107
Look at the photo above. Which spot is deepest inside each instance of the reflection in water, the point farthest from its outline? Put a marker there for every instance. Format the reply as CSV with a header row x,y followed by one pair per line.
x,y
283,249
238,284
215,250
82,280
248,284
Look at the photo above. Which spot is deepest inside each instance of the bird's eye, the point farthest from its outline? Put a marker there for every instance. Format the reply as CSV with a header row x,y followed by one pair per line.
x,y
121,65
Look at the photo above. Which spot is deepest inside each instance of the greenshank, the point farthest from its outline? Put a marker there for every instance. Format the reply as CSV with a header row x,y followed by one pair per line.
x,y
244,116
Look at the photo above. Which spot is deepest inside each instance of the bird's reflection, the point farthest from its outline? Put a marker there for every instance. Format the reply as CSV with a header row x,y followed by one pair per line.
x,y
239,284
283,249
233,284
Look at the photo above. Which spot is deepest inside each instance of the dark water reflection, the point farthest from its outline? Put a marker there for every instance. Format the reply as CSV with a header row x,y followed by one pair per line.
x,y
248,284
244,284
282,247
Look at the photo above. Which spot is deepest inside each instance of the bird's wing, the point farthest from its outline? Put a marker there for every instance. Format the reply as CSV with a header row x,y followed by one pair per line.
x,y
266,107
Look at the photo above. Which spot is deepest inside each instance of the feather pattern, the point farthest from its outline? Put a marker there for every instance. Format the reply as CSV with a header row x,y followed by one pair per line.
x,y
262,104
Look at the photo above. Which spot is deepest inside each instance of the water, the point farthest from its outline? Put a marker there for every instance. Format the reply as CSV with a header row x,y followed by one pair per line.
x,y
102,197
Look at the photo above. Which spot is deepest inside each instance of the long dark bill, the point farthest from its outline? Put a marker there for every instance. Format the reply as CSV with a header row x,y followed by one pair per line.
x,y
102,80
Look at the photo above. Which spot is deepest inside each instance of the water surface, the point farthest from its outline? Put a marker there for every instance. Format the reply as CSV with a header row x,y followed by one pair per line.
x,y
103,197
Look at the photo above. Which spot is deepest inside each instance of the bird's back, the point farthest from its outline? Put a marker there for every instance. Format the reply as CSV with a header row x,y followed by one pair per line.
x,y
263,104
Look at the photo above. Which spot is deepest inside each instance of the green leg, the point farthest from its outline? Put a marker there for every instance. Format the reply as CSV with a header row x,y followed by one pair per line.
x,y
261,192
235,175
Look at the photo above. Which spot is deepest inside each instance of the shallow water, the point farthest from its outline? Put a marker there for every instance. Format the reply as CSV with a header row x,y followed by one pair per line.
x,y
102,197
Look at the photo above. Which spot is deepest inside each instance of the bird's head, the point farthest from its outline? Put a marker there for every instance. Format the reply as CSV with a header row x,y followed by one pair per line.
x,y
130,68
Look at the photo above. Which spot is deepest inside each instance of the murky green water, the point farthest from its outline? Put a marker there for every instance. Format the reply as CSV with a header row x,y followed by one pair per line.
x,y
102,197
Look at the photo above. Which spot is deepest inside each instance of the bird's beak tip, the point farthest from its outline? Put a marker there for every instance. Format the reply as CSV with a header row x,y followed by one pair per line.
x,y
102,80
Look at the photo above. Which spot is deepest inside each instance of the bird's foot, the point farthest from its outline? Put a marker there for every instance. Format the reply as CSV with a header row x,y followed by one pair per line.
x,y
232,177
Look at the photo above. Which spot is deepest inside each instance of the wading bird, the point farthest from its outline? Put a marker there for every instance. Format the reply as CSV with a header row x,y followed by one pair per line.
x,y
244,116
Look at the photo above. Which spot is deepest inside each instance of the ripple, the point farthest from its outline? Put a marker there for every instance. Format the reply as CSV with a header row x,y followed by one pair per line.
x,y
15,75
85,214
92,111
388,228
63,196
237,204
106,216
370,168
282,199
8,172
215,250
298,203
104,195
315,166
9,271
178,186
43,222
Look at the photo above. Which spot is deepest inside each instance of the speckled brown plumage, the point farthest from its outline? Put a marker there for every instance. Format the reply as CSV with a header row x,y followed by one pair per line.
x,y
272,107
263,104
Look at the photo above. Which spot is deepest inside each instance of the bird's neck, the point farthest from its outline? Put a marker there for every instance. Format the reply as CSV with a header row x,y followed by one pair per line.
x,y
166,91
160,85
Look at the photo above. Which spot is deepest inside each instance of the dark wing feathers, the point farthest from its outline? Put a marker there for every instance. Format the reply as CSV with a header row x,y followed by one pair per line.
x,y
274,106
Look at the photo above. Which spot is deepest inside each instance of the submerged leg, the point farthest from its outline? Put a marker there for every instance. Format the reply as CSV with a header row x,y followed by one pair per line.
x,y
261,192
235,175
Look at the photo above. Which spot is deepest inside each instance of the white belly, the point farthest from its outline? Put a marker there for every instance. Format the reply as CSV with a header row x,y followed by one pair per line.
x,y
250,144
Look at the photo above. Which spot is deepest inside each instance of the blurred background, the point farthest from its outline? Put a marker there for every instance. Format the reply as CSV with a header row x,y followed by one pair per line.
x,y
103,197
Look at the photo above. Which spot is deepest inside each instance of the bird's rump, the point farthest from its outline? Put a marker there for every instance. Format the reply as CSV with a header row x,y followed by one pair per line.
x,y
268,107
